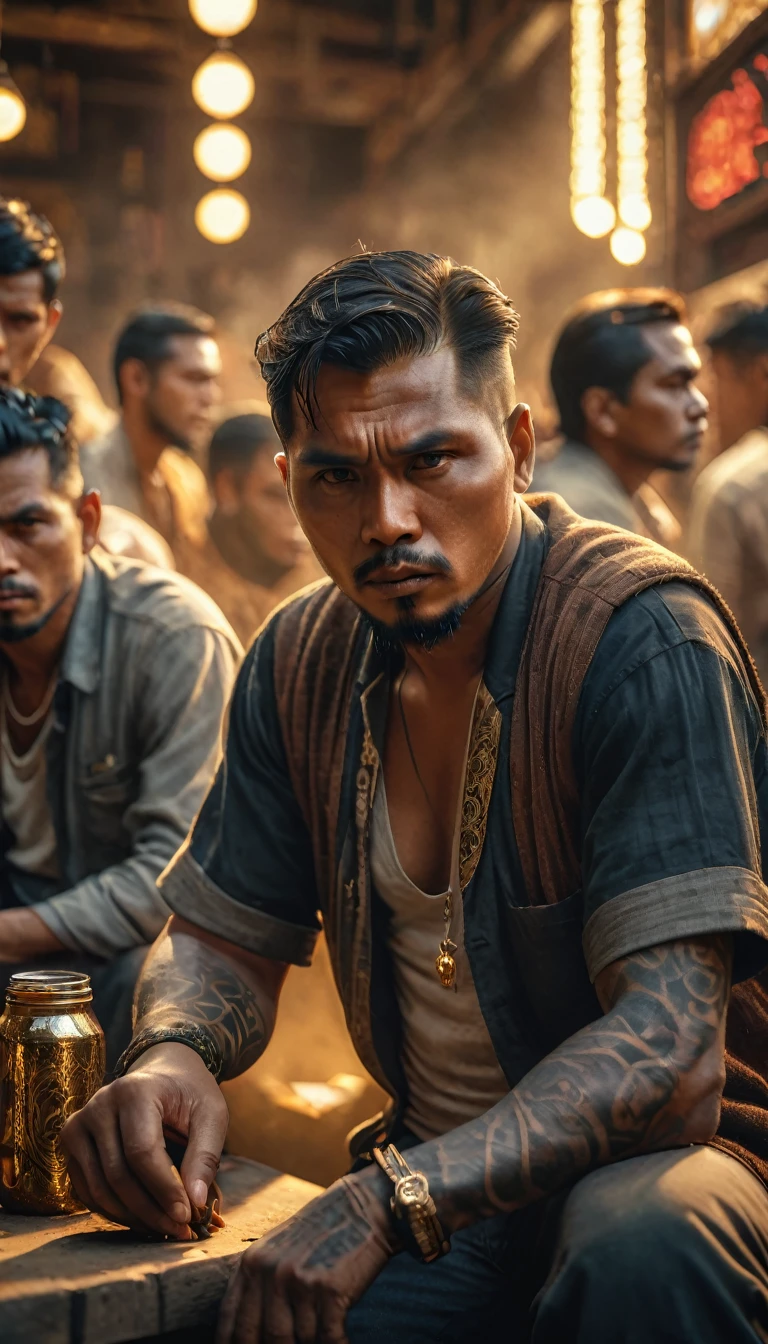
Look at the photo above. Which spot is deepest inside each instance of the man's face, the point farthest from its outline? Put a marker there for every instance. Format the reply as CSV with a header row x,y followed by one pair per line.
x,y
259,503
43,537
665,417
741,394
183,392
27,323
406,490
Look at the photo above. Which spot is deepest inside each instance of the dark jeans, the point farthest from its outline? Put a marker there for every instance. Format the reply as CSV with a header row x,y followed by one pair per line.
x,y
666,1249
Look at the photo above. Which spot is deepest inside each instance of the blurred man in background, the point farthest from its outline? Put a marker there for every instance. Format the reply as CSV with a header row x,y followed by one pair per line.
x,y
623,376
167,368
31,270
113,682
728,525
257,554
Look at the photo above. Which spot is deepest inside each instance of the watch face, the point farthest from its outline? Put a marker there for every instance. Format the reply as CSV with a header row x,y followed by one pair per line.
x,y
412,1191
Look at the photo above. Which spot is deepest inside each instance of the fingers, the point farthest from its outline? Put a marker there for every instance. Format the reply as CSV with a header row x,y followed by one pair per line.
x,y
229,1317
207,1132
92,1190
140,1123
101,1177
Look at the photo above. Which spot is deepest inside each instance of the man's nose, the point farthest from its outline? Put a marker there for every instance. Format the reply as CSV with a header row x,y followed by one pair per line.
x,y
389,514
9,560
699,408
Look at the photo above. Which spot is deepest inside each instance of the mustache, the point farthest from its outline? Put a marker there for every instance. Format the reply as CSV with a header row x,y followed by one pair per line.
x,y
12,588
401,554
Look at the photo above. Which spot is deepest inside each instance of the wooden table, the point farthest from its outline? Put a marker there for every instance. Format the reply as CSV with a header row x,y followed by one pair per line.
x,y
82,1280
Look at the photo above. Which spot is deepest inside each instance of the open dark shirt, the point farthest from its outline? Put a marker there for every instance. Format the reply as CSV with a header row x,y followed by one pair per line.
x,y
671,759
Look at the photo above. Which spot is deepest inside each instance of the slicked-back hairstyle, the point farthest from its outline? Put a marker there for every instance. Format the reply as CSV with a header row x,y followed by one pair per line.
x,y
741,330
28,242
602,345
27,421
148,333
236,442
370,310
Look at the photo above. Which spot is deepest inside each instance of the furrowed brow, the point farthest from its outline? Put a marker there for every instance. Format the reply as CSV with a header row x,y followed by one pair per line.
x,y
318,456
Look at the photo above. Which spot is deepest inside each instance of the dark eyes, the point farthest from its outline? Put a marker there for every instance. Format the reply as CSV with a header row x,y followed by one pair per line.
x,y
346,475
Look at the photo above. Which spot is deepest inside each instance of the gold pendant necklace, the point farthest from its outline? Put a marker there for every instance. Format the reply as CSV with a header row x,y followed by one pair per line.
x,y
445,962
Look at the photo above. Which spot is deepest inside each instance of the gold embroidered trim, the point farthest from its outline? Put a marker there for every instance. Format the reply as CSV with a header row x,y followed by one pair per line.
x,y
481,769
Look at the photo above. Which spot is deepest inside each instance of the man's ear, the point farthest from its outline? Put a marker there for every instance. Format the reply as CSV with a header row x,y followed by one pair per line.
x,y
597,405
55,310
522,442
134,379
225,492
89,513
281,462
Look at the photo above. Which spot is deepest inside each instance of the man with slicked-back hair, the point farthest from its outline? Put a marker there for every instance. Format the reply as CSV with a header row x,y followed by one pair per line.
x,y
515,763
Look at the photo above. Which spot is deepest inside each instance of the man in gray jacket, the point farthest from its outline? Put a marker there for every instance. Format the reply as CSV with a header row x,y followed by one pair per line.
x,y
113,680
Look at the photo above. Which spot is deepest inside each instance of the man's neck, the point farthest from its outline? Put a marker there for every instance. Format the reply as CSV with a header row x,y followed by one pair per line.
x,y
147,443
630,470
460,660
32,662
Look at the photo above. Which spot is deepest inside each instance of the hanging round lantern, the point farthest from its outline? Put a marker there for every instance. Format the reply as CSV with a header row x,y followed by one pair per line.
x,y
223,215
627,246
222,152
223,86
13,109
222,18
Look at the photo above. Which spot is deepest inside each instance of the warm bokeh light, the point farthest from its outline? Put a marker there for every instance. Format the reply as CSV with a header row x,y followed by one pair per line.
x,y
222,152
222,216
627,246
13,109
594,216
587,106
631,136
222,18
223,85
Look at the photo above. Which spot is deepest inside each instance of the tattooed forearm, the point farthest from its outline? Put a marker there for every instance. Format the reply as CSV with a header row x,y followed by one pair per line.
x,y
645,1077
186,982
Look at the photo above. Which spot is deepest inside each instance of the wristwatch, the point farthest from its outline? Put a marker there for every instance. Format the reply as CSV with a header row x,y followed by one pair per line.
x,y
413,1206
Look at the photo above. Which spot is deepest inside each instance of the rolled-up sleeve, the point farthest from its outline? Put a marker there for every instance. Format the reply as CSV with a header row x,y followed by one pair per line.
x,y
672,759
246,872
188,679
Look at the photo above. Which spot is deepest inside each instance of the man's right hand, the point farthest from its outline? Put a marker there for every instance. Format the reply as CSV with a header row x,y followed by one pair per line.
x,y
118,1162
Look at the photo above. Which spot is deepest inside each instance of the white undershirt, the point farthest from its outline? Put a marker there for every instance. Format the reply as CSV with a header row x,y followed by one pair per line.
x,y
25,803
449,1062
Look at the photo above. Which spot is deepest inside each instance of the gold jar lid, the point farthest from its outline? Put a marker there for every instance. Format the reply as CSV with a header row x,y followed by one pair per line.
x,y
49,989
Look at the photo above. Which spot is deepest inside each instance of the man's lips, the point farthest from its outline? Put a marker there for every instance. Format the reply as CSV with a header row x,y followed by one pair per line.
x,y
400,581
10,600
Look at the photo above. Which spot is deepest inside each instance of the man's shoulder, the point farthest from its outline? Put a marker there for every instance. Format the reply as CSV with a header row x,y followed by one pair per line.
x,y
740,470
656,621
140,594
316,613
587,484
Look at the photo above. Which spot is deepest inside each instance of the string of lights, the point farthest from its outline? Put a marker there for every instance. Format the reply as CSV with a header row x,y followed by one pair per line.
x,y
633,206
592,213
223,87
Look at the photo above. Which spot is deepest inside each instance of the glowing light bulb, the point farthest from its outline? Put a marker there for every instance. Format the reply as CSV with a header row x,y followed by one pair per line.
x,y
223,86
627,246
222,216
593,215
222,152
13,109
222,18
708,14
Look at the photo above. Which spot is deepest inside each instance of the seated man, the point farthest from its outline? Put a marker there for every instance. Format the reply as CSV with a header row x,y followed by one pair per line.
x,y
623,377
257,554
518,763
114,681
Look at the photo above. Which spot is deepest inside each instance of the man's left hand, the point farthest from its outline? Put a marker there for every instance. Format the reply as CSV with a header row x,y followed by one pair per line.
x,y
296,1285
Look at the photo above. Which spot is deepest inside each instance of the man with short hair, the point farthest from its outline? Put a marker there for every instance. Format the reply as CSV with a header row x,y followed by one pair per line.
x,y
31,270
113,682
728,521
516,763
167,367
257,554
623,376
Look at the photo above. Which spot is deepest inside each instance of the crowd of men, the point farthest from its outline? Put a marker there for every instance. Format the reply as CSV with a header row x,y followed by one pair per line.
x,y
137,565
